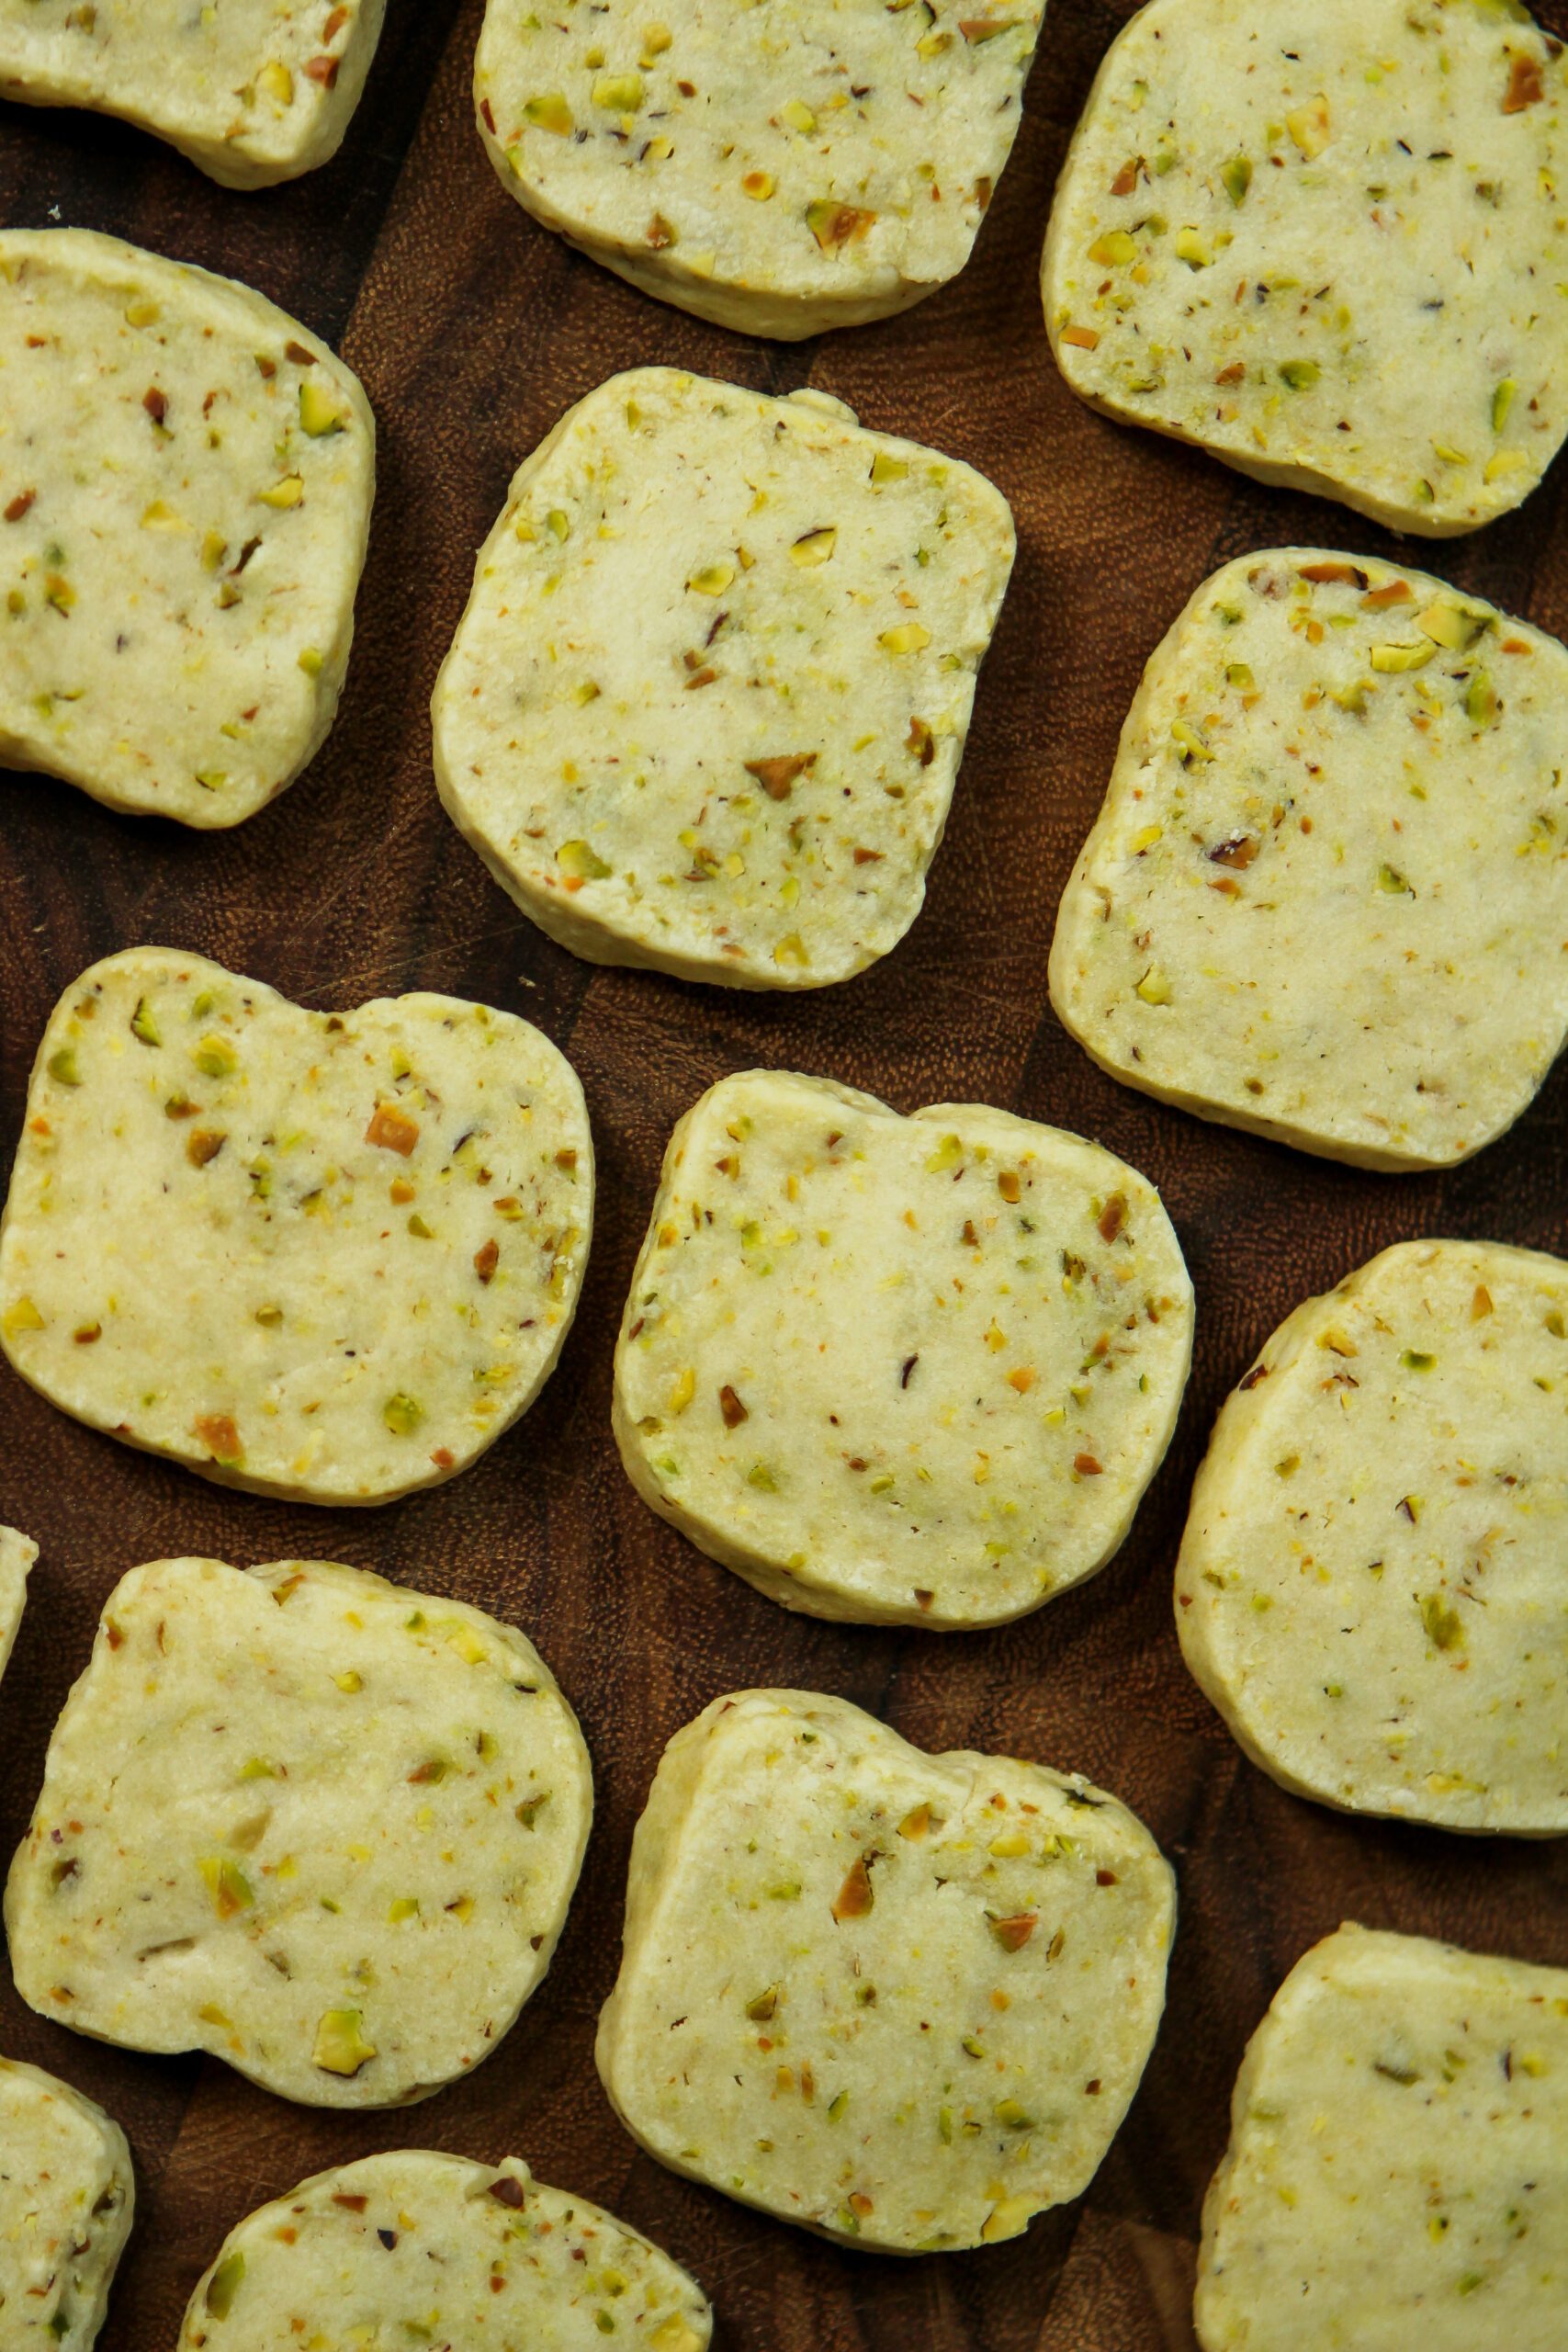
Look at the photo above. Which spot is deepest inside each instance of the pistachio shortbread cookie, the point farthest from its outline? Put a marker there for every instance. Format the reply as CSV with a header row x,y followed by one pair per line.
x,y
1323,244
706,706
1326,896
347,2259
16,1556
331,1256
910,1370
780,170
318,1824
253,92
1373,1580
186,478
1395,2172
67,2199
903,1999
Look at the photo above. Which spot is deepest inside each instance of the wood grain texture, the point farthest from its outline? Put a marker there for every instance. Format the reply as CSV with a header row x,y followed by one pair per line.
x,y
472,329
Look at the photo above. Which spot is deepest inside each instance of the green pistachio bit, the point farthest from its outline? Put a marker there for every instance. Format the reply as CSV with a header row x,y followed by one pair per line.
x,y
1390,879
1481,700
528,1812
1195,250
144,1026
1391,660
1300,374
216,1057
1012,2117
229,1888
62,1067
618,92
1501,403
319,413
224,2285
763,2007
549,113
1440,1623
759,1476
581,863
341,2046
402,1414
1237,177
1414,1360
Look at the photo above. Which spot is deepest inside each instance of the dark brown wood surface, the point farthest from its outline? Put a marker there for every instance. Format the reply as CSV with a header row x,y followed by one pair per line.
x,y
473,329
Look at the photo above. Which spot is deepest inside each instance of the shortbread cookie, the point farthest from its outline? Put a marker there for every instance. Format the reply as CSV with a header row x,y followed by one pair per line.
x,y
331,1256
779,170
253,92
1328,893
318,1824
706,706
1395,2176
16,1556
916,1370
414,2248
1374,1560
67,2197
1325,244
903,1999
185,476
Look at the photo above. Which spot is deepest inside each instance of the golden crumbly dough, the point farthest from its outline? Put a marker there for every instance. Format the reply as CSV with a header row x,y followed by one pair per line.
x,y
185,478
1394,2176
253,91
67,2199
706,706
909,1371
902,1999
414,2247
1326,243
329,1256
1371,1587
1326,895
779,168
318,1824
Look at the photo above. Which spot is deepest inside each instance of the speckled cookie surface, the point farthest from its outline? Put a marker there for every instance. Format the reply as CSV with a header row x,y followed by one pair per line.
x,y
415,2247
254,91
903,1999
320,1825
1326,896
706,706
67,2196
1326,243
331,1256
1396,2173
913,1370
16,1556
186,478
779,168
1371,1588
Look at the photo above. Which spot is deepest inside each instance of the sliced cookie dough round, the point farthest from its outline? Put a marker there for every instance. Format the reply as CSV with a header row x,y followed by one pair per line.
x,y
1326,895
186,478
902,1999
1394,2175
252,92
1372,1581
909,1371
328,1256
67,2199
706,706
16,1556
318,1824
347,2258
1324,244
779,172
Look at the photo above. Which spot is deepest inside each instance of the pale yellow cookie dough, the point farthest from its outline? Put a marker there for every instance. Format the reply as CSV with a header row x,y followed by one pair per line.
x,y
318,1824
781,169
902,1999
16,1556
67,2197
412,2248
910,1370
1374,1585
1324,241
1326,896
185,478
331,1256
1395,2174
707,707
253,91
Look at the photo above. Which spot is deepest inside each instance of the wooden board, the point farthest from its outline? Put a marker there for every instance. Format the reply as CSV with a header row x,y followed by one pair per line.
x,y
473,329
